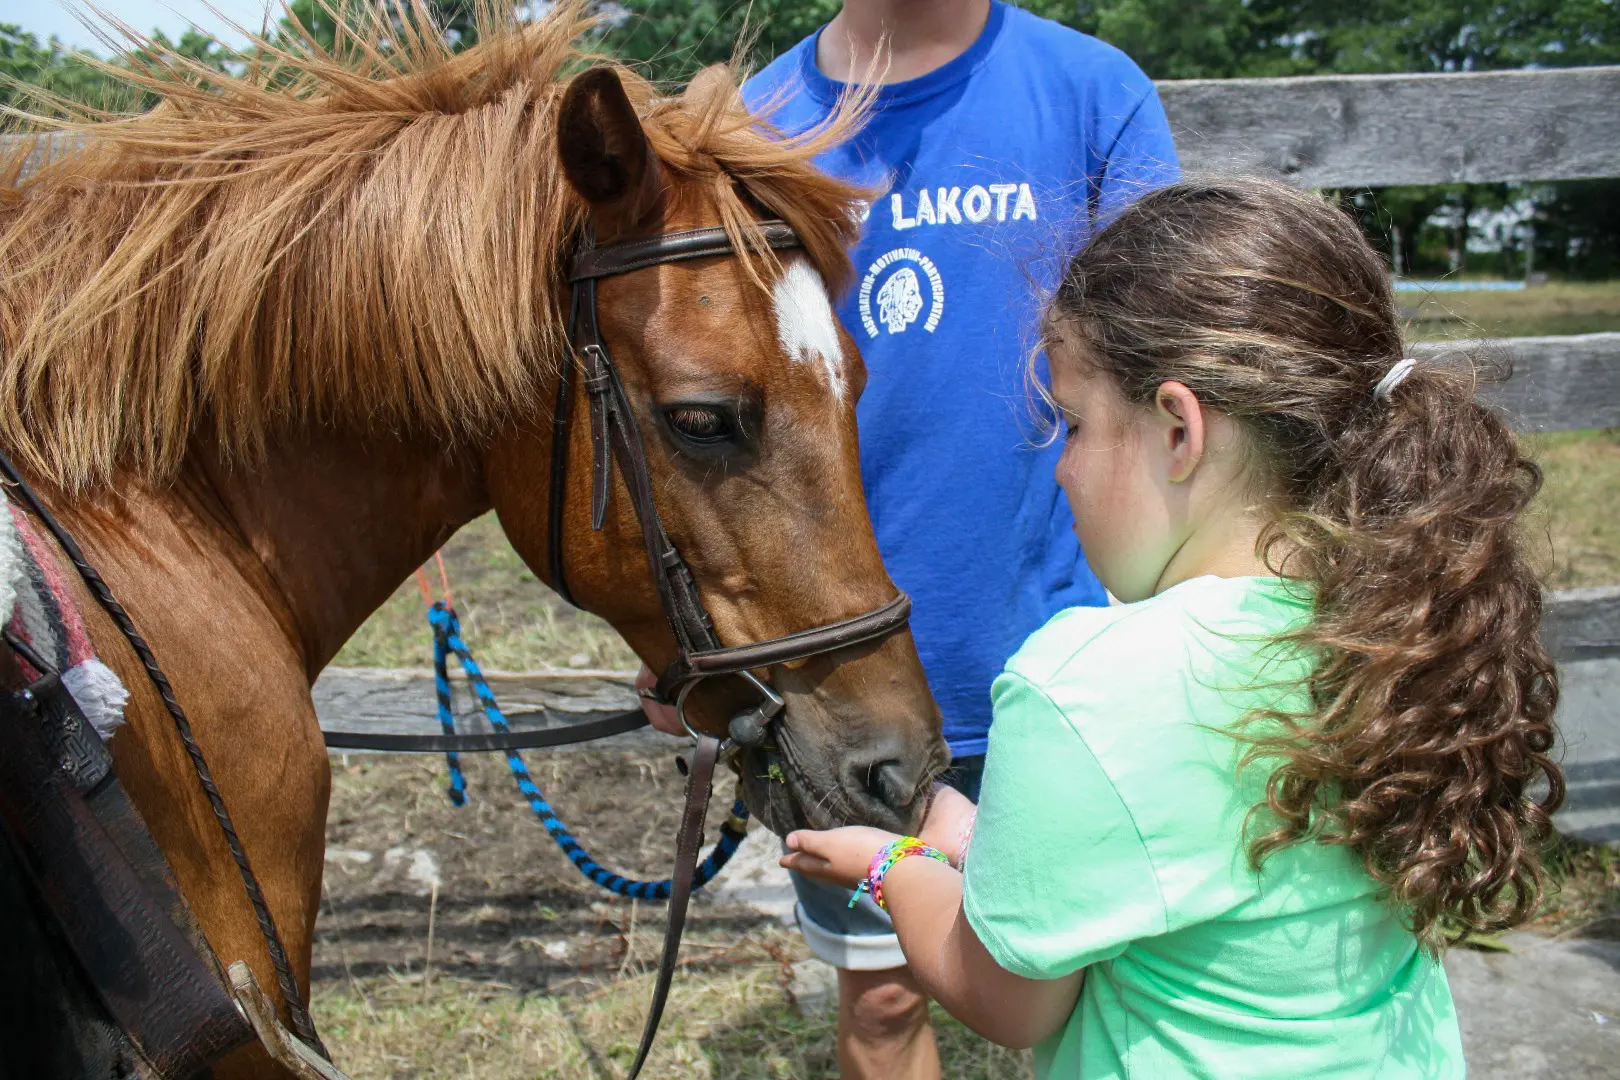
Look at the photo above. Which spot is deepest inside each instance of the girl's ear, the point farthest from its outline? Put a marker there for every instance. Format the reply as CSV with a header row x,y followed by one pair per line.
x,y
1181,425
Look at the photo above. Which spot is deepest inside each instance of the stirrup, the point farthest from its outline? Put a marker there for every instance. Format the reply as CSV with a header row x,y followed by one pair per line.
x,y
284,1048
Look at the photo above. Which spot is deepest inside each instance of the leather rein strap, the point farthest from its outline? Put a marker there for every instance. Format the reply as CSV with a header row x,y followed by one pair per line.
x,y
615,436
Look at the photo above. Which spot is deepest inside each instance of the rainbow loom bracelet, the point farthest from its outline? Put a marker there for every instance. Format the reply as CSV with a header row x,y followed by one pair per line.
x,y
884,861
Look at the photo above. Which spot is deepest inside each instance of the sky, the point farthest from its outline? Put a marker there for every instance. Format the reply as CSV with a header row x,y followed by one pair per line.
x,y
46,17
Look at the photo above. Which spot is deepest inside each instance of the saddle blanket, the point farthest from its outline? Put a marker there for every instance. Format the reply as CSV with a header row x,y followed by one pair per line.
x,y
37,608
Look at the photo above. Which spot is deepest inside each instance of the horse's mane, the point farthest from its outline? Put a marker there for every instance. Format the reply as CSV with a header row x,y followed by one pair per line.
x,y
374,234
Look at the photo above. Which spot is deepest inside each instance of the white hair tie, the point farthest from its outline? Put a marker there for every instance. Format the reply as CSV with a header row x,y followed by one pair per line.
x,y
1393,378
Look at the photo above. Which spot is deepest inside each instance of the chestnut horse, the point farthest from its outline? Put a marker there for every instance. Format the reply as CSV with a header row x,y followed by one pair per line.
x,y
267,346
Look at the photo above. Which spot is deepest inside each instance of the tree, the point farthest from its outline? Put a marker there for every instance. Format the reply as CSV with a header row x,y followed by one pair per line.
x,y
84,79
26,64
456,19
1231,38
674,39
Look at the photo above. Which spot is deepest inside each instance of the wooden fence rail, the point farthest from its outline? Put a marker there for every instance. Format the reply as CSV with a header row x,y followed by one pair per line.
x,y
1558,384
1577,627
1378,130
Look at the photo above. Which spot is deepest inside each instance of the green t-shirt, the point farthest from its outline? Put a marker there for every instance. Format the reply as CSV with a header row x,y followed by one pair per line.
x,y
1110,837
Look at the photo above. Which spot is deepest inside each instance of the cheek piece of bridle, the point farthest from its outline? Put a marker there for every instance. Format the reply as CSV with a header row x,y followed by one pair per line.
x,y
615,436
699,654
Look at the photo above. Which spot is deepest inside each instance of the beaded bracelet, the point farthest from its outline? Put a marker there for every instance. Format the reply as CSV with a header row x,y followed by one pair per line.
x,y
884,861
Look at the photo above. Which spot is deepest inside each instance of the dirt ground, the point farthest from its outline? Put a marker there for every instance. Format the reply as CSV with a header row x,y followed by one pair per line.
x,y
509,907
461,943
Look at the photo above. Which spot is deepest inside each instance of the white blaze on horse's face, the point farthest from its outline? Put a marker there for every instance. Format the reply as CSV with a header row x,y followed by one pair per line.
x,y
805,323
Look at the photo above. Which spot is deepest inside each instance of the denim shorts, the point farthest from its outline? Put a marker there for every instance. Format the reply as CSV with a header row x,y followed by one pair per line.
x,y
861,938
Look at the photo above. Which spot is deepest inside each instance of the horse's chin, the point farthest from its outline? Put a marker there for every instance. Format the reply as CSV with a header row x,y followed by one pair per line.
x,y
776,795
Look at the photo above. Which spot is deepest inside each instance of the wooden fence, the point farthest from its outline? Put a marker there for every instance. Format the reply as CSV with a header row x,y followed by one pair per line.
x,y
1333,131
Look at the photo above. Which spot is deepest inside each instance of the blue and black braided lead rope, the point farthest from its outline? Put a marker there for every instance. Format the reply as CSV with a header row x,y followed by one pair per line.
x,y
447,640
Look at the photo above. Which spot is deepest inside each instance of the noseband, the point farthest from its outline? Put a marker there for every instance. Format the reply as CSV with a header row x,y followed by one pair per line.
x,y
614,435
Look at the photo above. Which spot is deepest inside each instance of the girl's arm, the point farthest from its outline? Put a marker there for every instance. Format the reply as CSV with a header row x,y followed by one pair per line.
x,y
924,898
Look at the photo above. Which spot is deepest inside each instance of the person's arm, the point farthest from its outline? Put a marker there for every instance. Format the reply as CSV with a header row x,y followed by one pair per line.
x,y
956,969
924,898
1058,878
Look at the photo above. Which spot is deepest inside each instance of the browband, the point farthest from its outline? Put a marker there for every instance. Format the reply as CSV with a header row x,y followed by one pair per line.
x,y
628,255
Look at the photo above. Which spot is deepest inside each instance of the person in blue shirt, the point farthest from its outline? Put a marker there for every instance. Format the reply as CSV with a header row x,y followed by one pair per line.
x,y
999,141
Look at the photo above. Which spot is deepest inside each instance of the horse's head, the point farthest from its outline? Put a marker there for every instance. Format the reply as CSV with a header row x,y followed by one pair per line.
x,y
743,387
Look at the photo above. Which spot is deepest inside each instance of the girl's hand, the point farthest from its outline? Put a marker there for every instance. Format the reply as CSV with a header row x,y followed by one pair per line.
x,y
949,824
836,856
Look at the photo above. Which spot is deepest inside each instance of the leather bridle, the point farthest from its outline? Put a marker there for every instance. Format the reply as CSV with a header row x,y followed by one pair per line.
x,y
699,654
615,435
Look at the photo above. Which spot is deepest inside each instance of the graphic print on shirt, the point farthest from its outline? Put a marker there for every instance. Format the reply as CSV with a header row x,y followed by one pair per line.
x,y
988,167
903,284
892,292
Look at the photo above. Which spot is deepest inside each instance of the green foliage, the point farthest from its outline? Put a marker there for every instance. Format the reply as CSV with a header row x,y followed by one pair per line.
x,y
79,77
319,19
1576,226
673,39
25,64
1230,38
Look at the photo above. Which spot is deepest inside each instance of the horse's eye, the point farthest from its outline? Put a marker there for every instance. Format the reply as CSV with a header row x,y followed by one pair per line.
x,y
701,424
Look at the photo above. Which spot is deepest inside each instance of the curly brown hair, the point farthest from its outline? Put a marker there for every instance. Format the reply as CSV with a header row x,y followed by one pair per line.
x,y
1432,697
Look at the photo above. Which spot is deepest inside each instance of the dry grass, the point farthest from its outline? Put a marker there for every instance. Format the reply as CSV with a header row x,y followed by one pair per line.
x,y
511,620
515,623
1584,898
535,972
1576,522
735,1022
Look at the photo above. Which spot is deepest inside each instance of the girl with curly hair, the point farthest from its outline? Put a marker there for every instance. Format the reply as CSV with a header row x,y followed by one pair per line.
x,y
1227,825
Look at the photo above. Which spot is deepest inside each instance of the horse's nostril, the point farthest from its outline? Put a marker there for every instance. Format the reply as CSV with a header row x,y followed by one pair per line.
x,y
884,784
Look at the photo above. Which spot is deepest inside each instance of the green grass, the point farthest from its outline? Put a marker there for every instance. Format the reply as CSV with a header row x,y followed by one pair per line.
x,y
1575,525
511,620
1562,308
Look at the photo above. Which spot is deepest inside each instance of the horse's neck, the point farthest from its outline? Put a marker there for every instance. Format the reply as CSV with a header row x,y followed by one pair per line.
x,y
337,522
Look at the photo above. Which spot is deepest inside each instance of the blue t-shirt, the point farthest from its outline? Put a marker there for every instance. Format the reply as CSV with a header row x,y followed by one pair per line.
x,y
993,167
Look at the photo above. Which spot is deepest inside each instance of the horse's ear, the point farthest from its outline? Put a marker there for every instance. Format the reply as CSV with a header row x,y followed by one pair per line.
x,y
605,154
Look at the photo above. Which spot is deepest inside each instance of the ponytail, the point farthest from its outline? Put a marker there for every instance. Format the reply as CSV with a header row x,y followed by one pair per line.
x,y
1433,695
1430,725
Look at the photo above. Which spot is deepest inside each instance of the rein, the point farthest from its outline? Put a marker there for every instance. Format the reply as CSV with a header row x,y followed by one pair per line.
x,y
615,437
447,641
